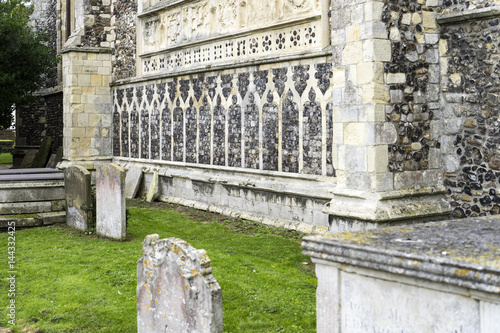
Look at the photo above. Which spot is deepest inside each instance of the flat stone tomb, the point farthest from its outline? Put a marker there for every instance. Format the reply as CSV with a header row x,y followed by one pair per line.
x,y
30,174
435,277
176,291
110,202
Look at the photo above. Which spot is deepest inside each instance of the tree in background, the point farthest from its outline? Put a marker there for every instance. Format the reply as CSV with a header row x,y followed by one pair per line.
x,y
24,58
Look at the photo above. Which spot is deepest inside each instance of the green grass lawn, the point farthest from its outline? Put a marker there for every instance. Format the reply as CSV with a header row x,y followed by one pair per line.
x,y
67,281
6,158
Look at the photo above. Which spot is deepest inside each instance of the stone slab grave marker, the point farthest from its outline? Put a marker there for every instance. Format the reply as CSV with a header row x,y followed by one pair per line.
x,y
434,277
78,197
43,153
132,181
176,291
110,201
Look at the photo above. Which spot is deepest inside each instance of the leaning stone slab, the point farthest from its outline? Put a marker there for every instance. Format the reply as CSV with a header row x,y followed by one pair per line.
x,y
176,291
78,197
43,153
28,159
132,181
153,189
110,202
434,277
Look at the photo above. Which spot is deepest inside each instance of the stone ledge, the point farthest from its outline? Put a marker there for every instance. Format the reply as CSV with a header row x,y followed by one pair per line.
x,y
464,253
469,15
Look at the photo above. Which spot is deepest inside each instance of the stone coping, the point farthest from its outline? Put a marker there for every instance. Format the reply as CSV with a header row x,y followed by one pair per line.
x,y
468,15
28,171
464,253
270,59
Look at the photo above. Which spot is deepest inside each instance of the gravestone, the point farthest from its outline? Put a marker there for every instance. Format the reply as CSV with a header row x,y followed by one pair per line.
x,y
55,158
132,181
153,189
176,291
28,159
110,202
78,197
43,153
434,277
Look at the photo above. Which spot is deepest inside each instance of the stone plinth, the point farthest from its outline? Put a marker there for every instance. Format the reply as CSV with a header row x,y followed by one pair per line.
x,y
440,277
176,291
78,197
110,202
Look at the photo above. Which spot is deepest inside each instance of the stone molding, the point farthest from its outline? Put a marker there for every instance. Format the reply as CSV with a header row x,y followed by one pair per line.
x,y
451,252
469,15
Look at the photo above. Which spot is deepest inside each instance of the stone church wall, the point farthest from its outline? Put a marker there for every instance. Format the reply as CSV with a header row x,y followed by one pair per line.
x,y
471,90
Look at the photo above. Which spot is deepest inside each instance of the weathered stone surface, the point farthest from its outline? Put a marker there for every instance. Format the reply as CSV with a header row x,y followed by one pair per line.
x,y
425,276
78,197
153,189
28,159
110,202
132,181
43,153
176,291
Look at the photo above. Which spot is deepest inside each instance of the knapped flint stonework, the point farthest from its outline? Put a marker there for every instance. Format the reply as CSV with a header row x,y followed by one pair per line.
x,y
233,120
471,125
413,79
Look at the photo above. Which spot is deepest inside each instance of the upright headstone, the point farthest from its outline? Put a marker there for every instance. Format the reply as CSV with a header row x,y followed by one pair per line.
x,y
78,197
176,291
43,154
132,181
110,202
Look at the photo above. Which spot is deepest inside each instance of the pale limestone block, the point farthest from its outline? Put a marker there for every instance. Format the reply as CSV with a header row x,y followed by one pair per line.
x,y
82,120
394,34
377,158
443,47
352,34
110,201
373,29
373,113
395,78
429,20
373,10
435,158
338,36
354,134
352,53
406,19
420,38
357,12
431,38
375,93
97,63
91,56
93,120
84,80
365,72
104,70
77,132
377,50
355,158
338,77
432,3
96,80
